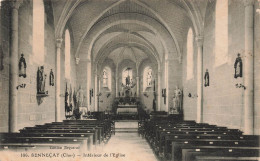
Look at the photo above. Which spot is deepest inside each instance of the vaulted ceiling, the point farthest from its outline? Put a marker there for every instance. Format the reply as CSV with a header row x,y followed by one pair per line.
x,y
128,29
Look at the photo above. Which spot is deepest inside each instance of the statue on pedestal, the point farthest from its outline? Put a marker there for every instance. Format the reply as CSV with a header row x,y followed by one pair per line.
x,y
238,67
177,100
41,78
22,66
206,78
51,78
80,97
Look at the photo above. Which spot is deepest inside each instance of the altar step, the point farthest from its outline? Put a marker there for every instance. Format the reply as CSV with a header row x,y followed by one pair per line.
x,y
126,130
126,126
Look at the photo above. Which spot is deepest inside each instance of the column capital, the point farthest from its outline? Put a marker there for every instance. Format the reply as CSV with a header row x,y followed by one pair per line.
x,y
199,40
249,3
59,43
15,4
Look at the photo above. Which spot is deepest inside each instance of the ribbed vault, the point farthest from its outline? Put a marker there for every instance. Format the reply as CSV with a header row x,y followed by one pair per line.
x,y
150,22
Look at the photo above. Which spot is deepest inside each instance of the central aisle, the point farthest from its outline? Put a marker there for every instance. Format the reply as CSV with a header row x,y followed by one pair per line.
x,y
134,147
124,145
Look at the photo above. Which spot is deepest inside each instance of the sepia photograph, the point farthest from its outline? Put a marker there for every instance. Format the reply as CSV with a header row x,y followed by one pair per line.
x,y
129,80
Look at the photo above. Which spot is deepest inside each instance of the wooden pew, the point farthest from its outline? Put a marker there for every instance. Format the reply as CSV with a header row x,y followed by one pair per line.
x,y
169,138
159,139
189,154
44,143
231,155
177,145
105,130
161,134
89,137
97,136
89,132
106,126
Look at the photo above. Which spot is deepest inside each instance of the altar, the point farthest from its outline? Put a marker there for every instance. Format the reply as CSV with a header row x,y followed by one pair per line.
x,y
127,109
126,105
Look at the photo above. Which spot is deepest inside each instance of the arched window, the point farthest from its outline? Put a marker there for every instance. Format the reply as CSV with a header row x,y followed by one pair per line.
x,y
221,32
190,53
107,78
67,54
147,78
38,31
127,76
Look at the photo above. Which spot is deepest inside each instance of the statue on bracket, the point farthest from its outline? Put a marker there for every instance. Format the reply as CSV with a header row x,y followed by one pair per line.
x,y
22,66
177,100
80,97
41,78
206,78
51,78
67,106
238,67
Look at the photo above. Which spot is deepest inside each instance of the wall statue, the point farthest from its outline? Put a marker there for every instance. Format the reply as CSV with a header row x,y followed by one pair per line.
x,y
51,78
177,100
80,97
67,106
41,78
206,78
238,67
22,66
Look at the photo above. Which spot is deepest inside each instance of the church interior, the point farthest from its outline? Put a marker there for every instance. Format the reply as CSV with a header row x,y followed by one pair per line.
x,y
130,80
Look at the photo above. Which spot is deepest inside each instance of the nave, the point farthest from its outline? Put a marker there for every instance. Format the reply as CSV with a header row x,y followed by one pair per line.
x,y
73,71
158,138
90,140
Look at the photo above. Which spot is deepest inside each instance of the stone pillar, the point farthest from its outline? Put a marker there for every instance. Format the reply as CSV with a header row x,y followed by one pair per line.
x,y
88,82
166,84
199,80
137,86
117,80
13,82
159,96
58,80
249,68
96,92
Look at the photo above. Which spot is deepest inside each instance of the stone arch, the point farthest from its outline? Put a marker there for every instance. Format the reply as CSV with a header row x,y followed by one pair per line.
x,y
150,23
133,38
69,8
105,51
195,16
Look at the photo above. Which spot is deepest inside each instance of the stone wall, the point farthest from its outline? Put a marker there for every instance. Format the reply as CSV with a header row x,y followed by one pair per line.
x,y
30,110
147,101
108,95
222,101
257,68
